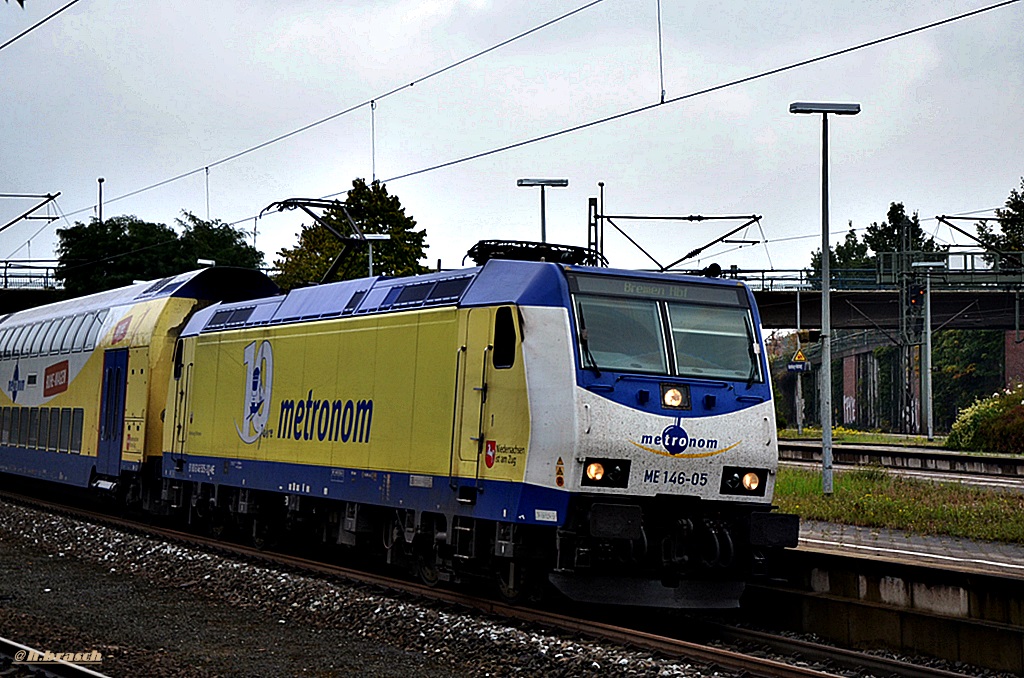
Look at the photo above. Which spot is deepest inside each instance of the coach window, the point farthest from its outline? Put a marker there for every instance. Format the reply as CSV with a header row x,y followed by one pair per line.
x,y
83,329
97,323
4,336
51,443
62,330
77,418
504,339
23,428
30,338
5,425
69,337
65,429
48,338
44,428
14,348
37,342
33,427
15,423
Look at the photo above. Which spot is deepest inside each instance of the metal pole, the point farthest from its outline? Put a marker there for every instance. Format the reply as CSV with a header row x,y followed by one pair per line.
x,y
799,375
927,361
100,203
370,245
543,223
826,322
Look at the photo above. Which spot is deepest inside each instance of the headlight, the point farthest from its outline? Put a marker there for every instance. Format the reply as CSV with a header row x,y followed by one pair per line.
x,y
672,397
675,396
604,472
740,481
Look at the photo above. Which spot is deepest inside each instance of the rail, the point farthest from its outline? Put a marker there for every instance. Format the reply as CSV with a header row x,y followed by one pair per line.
x,y
914,459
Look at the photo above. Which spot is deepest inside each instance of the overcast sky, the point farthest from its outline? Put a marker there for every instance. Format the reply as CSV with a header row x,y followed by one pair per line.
x,y
144,91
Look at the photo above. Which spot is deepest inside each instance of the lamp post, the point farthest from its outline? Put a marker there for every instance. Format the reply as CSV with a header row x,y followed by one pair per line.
x,y
926,359
99,203
543,183
826,283
372,237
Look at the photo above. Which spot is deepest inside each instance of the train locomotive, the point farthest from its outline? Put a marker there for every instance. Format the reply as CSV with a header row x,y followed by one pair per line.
x,y
608,432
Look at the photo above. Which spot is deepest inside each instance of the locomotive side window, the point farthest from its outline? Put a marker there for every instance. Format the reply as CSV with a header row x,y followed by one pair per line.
x,y
504,355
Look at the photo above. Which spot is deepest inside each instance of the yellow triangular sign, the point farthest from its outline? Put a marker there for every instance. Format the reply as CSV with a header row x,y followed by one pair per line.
x,y
798,357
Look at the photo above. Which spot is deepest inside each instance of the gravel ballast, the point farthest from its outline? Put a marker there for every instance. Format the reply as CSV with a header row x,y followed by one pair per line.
x,y
158,609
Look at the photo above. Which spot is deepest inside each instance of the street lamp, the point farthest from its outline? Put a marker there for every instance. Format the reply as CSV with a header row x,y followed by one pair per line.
x,y
926,359
543,183
826,284
372,237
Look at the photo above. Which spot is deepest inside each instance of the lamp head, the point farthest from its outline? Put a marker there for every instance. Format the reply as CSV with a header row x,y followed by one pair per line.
x,y
837,109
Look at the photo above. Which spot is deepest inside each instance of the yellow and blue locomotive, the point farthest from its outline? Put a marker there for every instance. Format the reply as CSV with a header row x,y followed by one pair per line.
x,y
611,432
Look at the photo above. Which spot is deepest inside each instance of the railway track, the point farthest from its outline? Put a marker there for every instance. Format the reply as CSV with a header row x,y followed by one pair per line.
x,y
990,470
800,654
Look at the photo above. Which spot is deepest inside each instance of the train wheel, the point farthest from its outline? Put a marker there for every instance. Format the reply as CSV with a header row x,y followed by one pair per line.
x,y
426,570
512,582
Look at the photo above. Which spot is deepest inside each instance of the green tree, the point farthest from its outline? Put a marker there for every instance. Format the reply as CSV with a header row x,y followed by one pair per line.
x,y
1010,236
216,241
103,255
375,211
898,233
968,364
117,251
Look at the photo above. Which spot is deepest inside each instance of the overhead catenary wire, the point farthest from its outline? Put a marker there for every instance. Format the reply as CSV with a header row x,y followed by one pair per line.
x,y
368,102
37,25
568,130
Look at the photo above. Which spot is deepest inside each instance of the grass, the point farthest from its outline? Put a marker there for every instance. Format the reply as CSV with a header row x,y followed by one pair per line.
x,y
873,498
845,435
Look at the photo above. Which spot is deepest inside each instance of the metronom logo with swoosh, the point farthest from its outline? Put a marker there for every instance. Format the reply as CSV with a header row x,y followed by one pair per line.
x,y
675,442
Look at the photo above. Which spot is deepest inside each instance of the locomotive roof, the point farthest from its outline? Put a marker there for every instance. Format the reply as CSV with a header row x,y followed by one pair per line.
x,y
217,283
498,281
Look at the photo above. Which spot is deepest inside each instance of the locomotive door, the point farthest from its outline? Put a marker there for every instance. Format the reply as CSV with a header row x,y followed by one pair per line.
x,y
489,393
472,391
115,380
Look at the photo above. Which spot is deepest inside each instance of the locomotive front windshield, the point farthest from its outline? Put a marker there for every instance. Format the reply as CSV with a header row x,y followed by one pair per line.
x,y
701,331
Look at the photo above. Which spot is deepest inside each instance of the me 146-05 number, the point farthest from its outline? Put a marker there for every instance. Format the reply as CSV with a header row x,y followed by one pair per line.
x,y
675,477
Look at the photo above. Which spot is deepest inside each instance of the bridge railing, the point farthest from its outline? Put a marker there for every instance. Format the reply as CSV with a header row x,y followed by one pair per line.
x,y
788,280
29,274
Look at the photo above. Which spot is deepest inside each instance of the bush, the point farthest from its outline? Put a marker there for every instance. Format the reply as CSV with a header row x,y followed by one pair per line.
x,y
992,424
